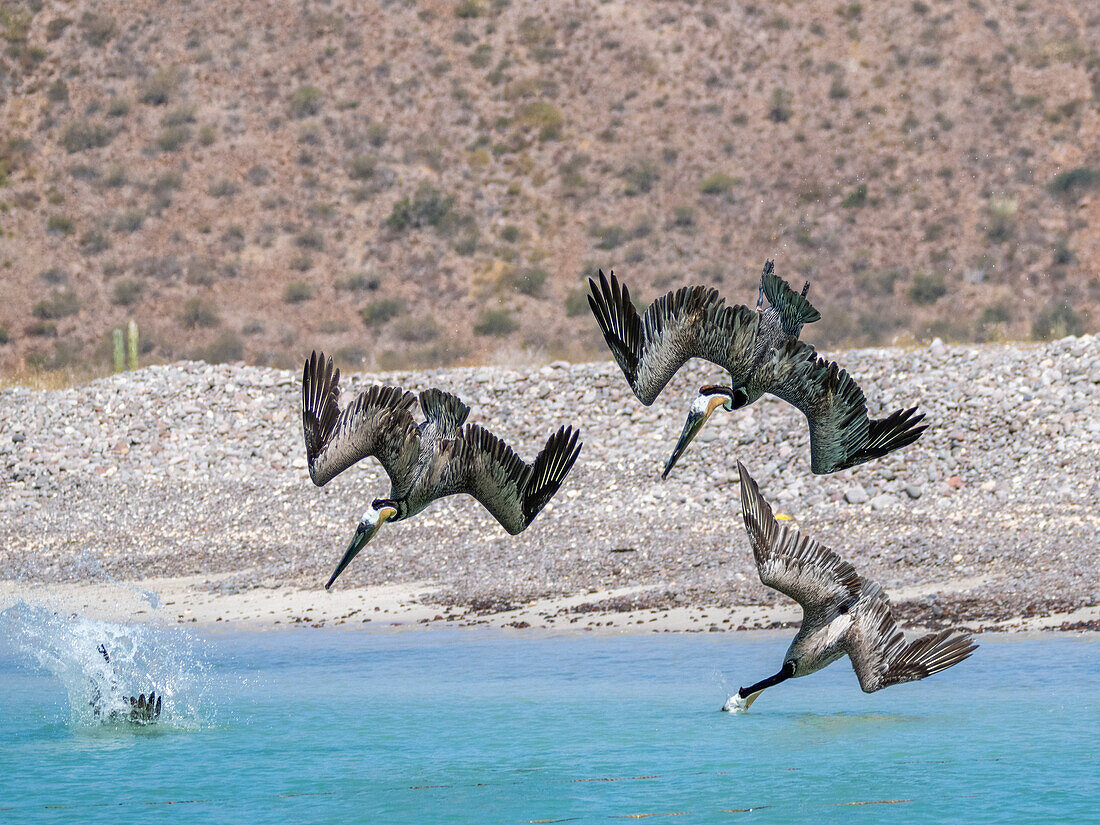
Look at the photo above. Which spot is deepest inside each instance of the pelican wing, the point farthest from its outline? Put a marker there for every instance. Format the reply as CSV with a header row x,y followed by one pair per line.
x,y
880,655
480,464
841,434
807,571
691,322
378,423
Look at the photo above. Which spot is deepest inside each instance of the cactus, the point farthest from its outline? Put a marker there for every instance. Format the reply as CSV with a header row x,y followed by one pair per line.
x,y
120,359
132,344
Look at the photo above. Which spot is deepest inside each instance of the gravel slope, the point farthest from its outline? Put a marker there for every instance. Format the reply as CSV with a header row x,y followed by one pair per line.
x,y
195,469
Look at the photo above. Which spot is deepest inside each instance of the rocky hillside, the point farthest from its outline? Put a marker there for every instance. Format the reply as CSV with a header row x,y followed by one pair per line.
x,y
414,183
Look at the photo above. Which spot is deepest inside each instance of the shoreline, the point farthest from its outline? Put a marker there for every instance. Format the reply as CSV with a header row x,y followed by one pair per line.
x,y
194,601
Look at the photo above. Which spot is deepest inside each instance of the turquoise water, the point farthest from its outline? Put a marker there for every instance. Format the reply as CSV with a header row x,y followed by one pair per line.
x,y
461,726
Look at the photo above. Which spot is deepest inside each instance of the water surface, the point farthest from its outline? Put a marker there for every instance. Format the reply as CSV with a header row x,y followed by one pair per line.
x,y
461,726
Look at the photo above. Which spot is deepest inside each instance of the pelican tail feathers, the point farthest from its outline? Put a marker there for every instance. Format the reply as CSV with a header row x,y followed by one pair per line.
x,y
794,309
446,411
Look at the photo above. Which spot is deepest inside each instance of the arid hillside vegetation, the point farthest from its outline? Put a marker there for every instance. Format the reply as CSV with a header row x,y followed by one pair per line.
x,y
430,183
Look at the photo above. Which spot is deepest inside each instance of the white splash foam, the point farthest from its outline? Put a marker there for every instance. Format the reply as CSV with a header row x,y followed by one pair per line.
x,y
140,659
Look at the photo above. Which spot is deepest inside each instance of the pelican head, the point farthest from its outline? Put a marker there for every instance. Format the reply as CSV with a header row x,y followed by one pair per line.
x,y
740,704
380,512
710,398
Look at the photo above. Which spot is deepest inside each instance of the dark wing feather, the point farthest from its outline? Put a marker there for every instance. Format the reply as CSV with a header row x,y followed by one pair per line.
x,y
807,571
841,435
880,655
486,468
378,423
691,322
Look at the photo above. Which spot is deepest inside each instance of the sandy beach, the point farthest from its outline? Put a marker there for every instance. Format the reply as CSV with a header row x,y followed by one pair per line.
x,y
192,601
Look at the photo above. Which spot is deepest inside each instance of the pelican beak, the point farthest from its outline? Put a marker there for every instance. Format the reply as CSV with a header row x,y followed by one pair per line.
x,y
363,534
740,704
695,421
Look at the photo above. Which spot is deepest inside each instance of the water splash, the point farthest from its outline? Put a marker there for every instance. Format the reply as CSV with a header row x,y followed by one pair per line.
x,y
140,659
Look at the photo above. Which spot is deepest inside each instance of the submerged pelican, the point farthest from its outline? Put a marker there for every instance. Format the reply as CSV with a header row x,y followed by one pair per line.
x,y
440,457
142,711
761,351
842,613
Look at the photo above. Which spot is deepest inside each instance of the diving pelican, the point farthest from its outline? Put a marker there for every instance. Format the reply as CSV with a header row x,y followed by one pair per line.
x,y
841,611
761,351
440,457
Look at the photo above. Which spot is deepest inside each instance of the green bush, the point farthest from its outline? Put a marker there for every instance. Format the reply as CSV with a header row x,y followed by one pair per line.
x,y
1057,320
683,217
297,292
358,283
415,330
379,312
927,288
118,107
56,27
222,189
93,242
361,167
496,322
1063,253
856,198
158,87
85,134
529,281
305,101
178,116
543,116
717,184
481,56
58,92
173,138
377,134
61,304
126,293
639,177
167,182
59,225
780,111
258,175
97,28
576,302
54,275
609,236
1068,183
130,221
428,207
470,8
227,347
198,312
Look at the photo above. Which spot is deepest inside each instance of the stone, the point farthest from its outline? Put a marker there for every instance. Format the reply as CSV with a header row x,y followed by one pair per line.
x,y
855,495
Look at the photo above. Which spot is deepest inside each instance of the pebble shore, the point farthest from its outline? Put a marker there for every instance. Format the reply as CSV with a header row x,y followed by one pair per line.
x,y
192,470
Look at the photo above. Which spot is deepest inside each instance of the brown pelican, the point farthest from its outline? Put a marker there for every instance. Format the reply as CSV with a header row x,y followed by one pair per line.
x,y
761,351
841,611
142,711
439,457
